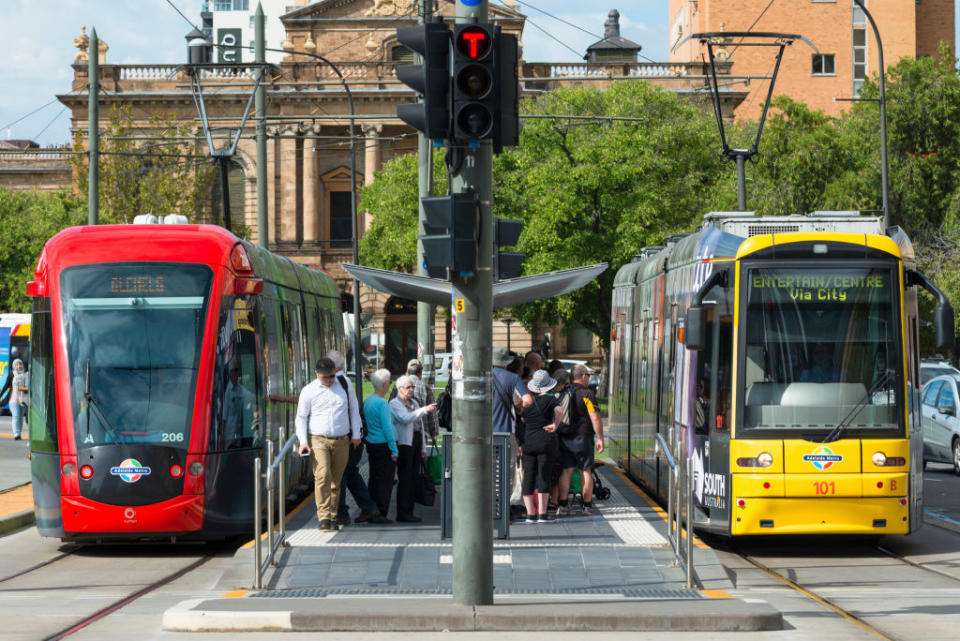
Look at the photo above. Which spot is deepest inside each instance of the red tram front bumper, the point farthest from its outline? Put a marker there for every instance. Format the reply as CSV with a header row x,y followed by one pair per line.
x,y
85,517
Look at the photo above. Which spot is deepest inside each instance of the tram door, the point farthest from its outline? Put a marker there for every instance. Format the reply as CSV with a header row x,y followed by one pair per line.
x,y
712,417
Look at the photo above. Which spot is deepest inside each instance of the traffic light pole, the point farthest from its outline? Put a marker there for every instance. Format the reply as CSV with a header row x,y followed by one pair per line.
x,y
472,416
425,311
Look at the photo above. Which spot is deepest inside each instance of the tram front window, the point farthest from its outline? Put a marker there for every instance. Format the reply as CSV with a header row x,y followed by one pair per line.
x,y
133,335
821,352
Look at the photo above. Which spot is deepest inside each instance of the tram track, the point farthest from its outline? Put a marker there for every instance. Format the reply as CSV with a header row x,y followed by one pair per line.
x,y
832,603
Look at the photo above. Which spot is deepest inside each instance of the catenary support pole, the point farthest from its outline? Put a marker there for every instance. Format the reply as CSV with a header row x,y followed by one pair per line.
x,y
884,177
260,104
425,311
472,419
93,129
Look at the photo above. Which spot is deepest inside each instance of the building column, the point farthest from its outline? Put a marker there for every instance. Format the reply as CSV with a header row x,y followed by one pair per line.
x,y
273,171
311,222
371,163
288,186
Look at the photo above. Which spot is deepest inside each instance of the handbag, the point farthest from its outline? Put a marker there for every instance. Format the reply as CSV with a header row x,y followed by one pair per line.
x,y
424,491
516,494
435,464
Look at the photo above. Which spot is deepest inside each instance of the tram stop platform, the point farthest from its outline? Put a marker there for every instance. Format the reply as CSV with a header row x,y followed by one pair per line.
x,y
614,570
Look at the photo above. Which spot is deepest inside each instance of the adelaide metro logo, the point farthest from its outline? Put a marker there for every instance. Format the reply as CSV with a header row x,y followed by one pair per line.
x,y
130,470
823,458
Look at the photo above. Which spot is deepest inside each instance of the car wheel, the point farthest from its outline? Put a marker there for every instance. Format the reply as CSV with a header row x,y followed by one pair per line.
x,y
956,456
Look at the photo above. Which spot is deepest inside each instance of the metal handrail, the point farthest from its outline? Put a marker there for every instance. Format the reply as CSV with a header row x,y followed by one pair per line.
x,y
272,480
680,483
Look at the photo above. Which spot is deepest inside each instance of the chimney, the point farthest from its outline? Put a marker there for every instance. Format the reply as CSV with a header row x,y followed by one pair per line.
x,y
611,28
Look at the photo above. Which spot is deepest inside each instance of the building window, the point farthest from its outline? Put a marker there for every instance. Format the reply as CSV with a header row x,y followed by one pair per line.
x,y
401,54
859,49
823,64
231,5
341,231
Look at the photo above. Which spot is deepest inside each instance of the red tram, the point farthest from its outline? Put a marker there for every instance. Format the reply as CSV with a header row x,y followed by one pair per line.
x,y
164,357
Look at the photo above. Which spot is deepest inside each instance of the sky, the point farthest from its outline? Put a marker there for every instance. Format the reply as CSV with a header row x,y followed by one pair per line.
x,y
38,51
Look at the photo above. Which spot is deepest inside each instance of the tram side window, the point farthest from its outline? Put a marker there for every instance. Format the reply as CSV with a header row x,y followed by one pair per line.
x,y
238,397
43,405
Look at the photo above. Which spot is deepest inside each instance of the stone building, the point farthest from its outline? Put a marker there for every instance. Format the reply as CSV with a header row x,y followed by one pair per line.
x,y
846,50
309,143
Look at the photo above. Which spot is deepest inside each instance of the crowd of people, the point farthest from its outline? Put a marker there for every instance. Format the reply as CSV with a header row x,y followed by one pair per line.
x,y
550,414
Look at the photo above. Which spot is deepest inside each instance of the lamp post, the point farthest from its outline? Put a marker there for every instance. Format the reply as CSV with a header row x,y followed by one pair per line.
x,y
508,322
884,187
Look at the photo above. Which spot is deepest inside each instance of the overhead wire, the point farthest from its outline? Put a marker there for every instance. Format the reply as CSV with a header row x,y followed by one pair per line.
x,y
55,118
29,114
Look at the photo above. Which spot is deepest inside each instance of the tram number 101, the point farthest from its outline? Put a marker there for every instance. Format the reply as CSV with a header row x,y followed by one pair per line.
x,y
824,487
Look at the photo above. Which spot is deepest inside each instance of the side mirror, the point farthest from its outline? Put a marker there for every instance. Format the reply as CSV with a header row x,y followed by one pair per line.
x,y
943,322
695,328
947,408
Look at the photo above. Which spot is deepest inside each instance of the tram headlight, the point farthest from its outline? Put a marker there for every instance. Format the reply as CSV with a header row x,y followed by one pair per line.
x,y
764,459
68,469
879,459
195,469
882,460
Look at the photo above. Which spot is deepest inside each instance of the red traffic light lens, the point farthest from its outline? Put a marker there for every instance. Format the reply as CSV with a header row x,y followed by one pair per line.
x,y
473,42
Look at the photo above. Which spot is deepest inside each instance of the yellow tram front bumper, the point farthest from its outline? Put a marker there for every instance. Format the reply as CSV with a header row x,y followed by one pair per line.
x,y
866,515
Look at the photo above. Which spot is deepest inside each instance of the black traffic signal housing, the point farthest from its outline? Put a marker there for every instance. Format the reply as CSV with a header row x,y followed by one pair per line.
x,y
475,99
451,234
430,79
506,265
506,131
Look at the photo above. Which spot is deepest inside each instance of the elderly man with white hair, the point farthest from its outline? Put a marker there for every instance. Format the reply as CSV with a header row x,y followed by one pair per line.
x,y
410,444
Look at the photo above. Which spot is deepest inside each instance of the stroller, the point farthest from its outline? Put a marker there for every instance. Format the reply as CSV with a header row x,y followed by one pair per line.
x,y
599,491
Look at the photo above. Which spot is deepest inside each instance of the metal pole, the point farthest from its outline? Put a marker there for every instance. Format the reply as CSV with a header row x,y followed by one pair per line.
x,y
282,493
425,311
223,164
741,182
884,177
259,56
271,481
472,422
93,129
257,499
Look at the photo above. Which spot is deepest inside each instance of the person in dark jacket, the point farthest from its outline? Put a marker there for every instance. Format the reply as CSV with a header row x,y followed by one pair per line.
x,y
538,446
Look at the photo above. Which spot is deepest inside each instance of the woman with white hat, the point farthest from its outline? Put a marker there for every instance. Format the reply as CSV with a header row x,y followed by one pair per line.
x,y
538,445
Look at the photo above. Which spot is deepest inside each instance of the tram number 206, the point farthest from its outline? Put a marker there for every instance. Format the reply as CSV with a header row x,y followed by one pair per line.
x,y
172,437
824,487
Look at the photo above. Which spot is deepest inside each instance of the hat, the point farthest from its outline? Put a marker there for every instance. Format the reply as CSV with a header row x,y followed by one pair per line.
x,y
541,382
413,365
502,356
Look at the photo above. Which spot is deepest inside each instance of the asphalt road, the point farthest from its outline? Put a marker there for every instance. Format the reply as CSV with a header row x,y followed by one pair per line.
x,y
14,466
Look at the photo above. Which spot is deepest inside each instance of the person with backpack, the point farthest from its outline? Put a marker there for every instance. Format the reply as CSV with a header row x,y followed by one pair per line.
x,y
351,479
576,450
445,403
538,446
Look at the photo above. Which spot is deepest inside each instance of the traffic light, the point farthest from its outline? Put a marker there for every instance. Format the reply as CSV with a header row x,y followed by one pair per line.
x,y
451,226
507,264
475,100
506,131
430,79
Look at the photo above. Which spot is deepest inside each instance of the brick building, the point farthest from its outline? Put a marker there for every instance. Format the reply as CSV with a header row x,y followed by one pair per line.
x,y
846,49
308,175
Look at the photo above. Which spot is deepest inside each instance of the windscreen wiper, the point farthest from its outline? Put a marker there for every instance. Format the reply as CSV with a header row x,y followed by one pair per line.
x,y
836,432
93,404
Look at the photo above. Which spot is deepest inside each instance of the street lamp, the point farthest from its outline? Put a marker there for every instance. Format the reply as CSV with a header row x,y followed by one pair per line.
x,y
508,322
884,187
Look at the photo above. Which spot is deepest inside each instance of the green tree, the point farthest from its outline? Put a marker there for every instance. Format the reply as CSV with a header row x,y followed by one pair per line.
x,y
28,220
169,172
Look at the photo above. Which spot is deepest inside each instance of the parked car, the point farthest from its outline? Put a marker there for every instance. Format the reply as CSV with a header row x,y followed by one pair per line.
x,y
440,375
941,426
594,374
929,368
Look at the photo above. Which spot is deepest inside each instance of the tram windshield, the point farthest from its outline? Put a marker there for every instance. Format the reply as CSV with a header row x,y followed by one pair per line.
x,y
133,334
821,355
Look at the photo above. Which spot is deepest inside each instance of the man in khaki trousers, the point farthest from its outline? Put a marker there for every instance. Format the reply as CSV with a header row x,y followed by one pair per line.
x,y
323,416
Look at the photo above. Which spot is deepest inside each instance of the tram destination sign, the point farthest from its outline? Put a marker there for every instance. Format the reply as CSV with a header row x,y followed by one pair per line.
x,y
834,286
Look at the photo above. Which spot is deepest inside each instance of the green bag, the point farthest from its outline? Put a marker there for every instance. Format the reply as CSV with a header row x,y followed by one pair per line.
x,y
575,483
435,464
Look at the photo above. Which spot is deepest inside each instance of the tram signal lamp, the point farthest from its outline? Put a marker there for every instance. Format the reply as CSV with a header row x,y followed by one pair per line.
x,y
430,79
507,127
507,233
451,234
475,100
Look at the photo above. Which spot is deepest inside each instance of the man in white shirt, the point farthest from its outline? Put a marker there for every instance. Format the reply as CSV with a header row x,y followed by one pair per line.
x,y
324,414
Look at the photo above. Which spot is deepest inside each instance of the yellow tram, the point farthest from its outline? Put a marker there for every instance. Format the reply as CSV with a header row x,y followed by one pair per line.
x,y
780,356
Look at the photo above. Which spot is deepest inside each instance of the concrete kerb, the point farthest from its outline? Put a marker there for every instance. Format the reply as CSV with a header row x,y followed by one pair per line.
x,y
16,521
441,614
941,521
